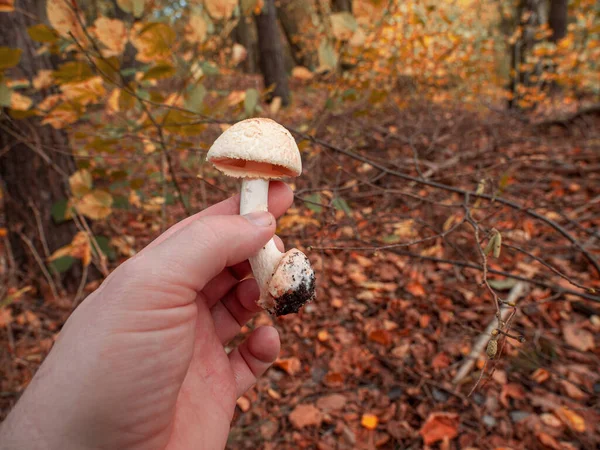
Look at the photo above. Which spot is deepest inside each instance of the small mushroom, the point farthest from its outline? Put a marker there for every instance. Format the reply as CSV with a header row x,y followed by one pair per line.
x,y
259,150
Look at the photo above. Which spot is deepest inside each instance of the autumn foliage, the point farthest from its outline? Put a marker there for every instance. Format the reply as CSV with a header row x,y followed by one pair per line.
x,y
425,203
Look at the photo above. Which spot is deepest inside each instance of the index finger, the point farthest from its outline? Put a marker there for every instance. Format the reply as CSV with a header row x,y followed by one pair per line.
x,y
280,199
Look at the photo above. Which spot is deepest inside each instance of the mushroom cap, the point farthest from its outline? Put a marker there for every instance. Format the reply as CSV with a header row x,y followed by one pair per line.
x,y
256,148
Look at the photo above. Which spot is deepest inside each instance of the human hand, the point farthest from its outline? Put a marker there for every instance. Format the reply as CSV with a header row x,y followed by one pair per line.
x,y
141,363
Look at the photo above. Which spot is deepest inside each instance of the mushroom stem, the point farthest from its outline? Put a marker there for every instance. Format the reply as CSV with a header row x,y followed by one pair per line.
x,y
255,197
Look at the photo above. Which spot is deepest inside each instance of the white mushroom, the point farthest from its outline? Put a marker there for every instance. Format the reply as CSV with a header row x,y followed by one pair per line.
x,y
259,150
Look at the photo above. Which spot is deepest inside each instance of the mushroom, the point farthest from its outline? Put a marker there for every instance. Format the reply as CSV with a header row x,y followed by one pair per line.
x,y
259,150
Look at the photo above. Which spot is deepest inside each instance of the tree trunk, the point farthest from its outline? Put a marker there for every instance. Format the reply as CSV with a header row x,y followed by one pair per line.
x,y
35,160
299,30
342,5
245,34
558,19
272,62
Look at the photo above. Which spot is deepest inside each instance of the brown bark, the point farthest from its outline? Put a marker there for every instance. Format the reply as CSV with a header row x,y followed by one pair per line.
x,y
271,57
558,19
296,22
35,159
245,34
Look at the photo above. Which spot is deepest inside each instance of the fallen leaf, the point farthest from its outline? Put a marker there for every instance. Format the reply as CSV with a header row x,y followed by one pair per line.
x,y
439,426
511,390
305,415
548,440
577,337
382,337
573,391
302,73
571,419
415,288
369,421
220,9
3,232
243,403
551,420
289,365
331,402
322,335
440,361
5,317
540,375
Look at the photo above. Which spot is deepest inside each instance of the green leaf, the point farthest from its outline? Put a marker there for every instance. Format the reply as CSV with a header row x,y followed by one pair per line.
x,y
159,72
195,98
312,199
59,210
105,247
62,264
42,33
209,68
135,7
251,101
340,203
5,95
9,57
120,202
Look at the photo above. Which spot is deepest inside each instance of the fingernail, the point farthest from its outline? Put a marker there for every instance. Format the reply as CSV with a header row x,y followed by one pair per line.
x,y
260,218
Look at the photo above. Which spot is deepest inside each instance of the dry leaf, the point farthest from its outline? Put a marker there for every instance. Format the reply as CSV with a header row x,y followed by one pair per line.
x,y
86,92
112,34
551,420
540,375
577,337
369,421
5,317
196,29
80,182
220,9
305,415
415,288
7,5
290,365
382,337
302,73
243,403
238,53
439,426
571,419
20,102
63,18
548,440
43,79
323,335
96,205
511,390
331,402
440,361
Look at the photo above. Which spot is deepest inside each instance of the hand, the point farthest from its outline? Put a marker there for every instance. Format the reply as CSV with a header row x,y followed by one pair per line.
x,y
141,364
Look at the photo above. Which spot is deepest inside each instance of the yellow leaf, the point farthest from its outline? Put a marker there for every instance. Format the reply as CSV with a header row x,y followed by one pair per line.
x,y
79,248
61,116
64,19
49,102
7,5
153,42
96,205
112,104
9,57
43,79
369,421
196,29
220,9
571,419
20,102
80,183
113,35
86,92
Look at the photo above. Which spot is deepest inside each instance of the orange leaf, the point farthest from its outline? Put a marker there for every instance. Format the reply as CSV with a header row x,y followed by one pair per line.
x,y
548,441
440,361
243,403
7,5
290,365
415,288
3,232
571,419
439,426
382,337
369,421
577,337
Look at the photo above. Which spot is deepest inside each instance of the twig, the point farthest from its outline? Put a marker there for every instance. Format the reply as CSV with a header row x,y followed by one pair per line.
x,y
79,293
464,192
37,258
515,293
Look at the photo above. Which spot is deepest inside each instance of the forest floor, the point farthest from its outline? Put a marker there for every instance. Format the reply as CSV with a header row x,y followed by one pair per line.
x,y
401,291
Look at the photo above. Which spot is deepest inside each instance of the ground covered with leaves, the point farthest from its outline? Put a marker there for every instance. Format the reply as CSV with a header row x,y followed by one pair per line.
x,y
400,214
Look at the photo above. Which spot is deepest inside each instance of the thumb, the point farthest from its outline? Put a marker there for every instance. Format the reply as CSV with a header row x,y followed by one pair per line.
x,y
194,255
